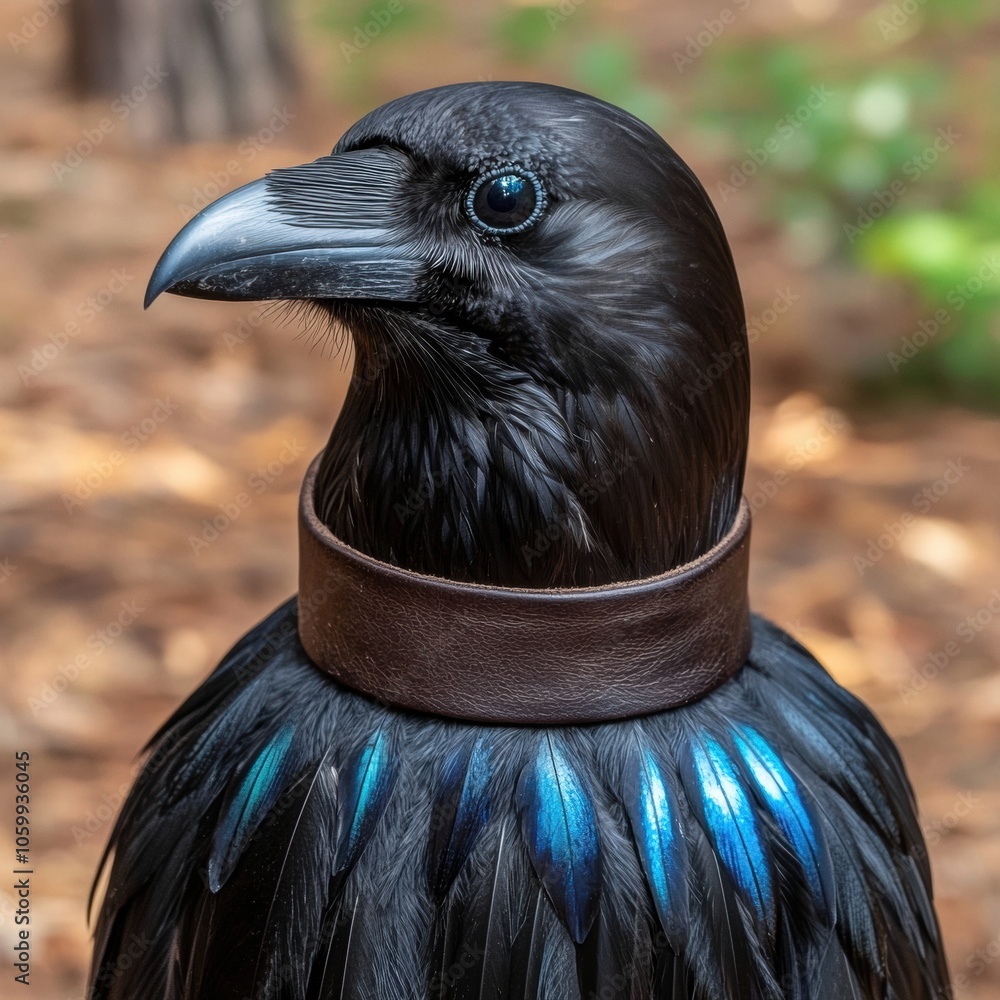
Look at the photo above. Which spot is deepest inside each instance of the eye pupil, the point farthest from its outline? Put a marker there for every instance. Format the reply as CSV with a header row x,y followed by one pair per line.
x,y
505,202
503,193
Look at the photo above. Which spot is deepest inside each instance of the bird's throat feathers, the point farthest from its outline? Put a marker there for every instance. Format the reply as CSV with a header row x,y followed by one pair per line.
x,y
454,457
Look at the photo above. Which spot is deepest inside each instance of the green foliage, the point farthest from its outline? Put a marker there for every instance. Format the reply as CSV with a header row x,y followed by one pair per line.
x,y
952,259
364,35
609,69
608,66
537,41
525,32
871,174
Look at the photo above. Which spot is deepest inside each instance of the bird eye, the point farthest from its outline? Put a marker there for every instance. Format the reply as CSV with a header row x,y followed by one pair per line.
x,y
506,200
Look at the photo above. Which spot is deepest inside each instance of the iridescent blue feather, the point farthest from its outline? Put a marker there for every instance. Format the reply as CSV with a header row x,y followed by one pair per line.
x,y
255,794
365,783
651,805
560,830
717,793
780,791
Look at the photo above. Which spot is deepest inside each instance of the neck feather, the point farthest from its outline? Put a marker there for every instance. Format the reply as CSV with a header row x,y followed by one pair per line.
x,y
502,480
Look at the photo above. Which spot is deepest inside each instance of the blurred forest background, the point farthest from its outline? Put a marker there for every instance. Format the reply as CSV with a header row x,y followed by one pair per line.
x,y
853,151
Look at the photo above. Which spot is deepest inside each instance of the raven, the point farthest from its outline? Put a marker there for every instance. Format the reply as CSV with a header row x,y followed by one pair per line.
x,y
518,736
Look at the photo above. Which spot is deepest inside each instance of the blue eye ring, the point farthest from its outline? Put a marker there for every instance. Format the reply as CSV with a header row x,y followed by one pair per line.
x,y
526,200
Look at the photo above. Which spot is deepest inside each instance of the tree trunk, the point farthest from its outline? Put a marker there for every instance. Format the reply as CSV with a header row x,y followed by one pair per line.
x,y
183,69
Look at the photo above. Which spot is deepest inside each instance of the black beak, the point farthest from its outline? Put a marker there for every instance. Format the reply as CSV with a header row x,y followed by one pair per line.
x,y
324,230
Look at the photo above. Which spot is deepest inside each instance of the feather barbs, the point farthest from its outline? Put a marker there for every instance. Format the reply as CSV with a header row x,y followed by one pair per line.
x,y
559,826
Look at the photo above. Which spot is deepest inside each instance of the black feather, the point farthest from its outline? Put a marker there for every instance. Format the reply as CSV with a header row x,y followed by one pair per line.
x,y
460,812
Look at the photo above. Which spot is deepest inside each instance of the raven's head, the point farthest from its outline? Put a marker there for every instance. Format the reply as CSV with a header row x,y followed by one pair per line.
x,y
551,379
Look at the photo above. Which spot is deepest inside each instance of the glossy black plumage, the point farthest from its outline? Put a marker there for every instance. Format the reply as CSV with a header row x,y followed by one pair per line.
x,y
395,922
528,408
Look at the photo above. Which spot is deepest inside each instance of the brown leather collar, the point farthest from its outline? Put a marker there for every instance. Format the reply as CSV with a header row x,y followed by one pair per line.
x,y
498,654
